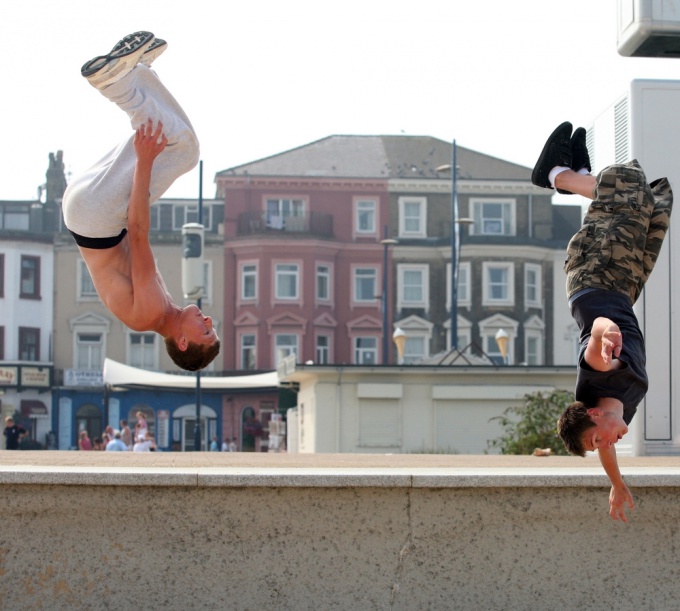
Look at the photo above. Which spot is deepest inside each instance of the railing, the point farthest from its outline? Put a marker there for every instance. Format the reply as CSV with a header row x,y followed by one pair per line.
x,y
316,223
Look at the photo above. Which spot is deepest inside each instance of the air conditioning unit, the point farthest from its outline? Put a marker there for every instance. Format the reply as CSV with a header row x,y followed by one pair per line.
x,y
648,28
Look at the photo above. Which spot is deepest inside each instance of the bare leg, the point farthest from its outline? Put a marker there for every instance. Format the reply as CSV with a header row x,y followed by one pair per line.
x,y
581,184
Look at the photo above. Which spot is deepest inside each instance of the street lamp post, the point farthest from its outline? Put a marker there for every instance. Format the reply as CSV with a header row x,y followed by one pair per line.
x,y
386,242
456,222
199,400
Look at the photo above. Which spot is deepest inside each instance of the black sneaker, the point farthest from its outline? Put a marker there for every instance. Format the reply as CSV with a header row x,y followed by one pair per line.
x,y
556,152
579,154
579,151
105,70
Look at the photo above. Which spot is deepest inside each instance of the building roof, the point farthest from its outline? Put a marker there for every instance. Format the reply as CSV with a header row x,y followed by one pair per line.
x,y
380,157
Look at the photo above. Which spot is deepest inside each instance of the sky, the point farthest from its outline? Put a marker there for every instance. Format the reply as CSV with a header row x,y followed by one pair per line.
x,y
260,78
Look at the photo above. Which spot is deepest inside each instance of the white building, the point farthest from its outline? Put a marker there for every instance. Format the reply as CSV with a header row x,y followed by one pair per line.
x,y
644,124
26,308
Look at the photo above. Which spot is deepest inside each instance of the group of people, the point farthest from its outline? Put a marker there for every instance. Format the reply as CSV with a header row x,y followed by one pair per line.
x,y
226,446
123,440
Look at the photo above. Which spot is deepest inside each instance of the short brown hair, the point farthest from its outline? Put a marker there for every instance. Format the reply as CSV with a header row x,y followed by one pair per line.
x,y
571,426
195,357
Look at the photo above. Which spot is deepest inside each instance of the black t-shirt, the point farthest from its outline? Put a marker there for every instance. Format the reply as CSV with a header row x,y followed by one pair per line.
x,y
12,433
629,382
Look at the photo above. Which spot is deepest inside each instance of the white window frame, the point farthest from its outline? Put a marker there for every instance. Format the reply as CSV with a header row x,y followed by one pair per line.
x,y
533,334
408,269
88,346
294,271
328,275
464,333
282,350
245,274
250,348
487,299
421,231
415,348
534,328
89,324
482,226
359,351
321,351
487,331
365,206
152,348
190,215
464,287
538,286
355,285
286,207
84,281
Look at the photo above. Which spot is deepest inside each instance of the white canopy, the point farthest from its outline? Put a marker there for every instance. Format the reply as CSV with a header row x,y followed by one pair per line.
x,y
118,374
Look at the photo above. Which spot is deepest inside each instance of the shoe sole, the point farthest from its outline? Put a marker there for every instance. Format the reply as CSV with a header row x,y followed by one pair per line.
x,y
105,70
156,48
539,176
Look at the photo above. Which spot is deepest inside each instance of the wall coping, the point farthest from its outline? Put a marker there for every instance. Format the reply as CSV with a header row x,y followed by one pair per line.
x,y
335,477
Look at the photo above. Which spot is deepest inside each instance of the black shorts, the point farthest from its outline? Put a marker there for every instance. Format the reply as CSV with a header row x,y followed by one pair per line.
x,y
98,243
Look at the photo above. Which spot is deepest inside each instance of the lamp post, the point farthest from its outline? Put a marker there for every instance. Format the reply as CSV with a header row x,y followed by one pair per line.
x,y
386,242
455,241
197,428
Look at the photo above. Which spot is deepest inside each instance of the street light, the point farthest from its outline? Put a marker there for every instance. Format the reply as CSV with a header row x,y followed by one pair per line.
x,y
387,242
455,241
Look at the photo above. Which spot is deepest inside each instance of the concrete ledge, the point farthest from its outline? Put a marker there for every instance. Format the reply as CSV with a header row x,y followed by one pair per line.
x,y
235,477
84,530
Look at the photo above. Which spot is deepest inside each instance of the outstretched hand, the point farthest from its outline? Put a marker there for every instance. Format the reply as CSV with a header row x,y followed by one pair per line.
x,y
618,497
149,142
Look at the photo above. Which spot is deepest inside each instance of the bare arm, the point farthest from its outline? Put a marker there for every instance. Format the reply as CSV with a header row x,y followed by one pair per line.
x,y
604,346
148,147
619,494
148,291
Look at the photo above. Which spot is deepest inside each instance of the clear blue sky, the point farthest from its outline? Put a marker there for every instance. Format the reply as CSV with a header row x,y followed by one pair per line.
x,y
263,77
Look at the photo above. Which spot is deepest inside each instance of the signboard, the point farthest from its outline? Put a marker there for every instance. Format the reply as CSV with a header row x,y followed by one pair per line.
x,y
9,376
83,377
35,376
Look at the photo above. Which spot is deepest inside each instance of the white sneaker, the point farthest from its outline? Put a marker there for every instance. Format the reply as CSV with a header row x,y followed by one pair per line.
x,y
153,51
105,70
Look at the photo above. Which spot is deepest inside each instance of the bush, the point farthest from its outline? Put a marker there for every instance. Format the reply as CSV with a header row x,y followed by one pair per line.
x,y
533,425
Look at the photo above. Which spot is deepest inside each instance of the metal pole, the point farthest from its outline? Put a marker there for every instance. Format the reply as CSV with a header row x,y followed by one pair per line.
x,y
454,249
385,350
197,427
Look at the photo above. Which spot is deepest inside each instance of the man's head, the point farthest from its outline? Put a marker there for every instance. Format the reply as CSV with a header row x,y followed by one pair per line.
x,y
195,344
584,429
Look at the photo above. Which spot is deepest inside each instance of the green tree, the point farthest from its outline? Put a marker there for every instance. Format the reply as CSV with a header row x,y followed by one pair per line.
x,y
533,424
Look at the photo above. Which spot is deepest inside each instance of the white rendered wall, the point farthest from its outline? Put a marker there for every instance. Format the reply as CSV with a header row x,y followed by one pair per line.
x,y
654,140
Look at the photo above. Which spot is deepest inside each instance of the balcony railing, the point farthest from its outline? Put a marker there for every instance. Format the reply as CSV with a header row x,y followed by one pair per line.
x,y
314,223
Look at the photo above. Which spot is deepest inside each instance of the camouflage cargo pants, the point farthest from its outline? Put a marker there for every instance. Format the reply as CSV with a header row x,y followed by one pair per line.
x,y
622,233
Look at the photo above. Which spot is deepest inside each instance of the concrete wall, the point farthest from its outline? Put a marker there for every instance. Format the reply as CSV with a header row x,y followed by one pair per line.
x,y
342,538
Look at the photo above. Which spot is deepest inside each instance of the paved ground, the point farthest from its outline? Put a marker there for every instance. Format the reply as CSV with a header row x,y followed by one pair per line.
x,y
180,460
